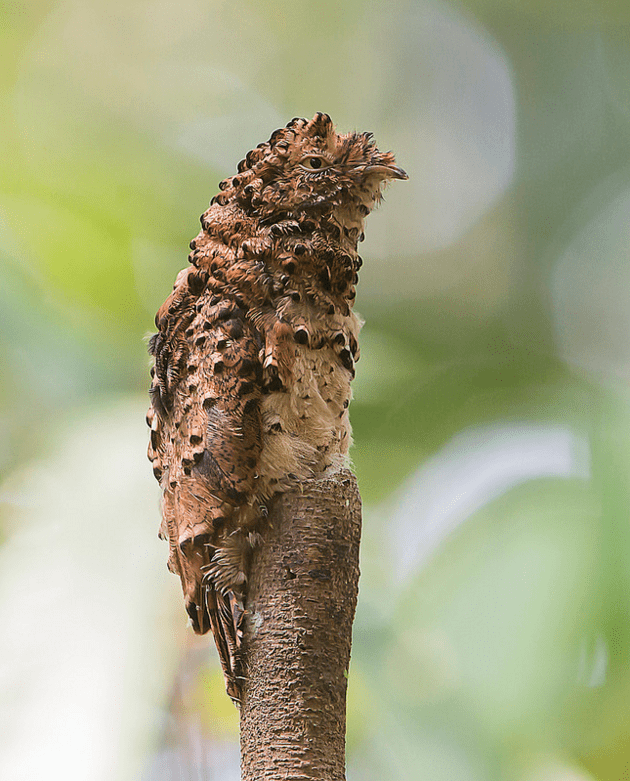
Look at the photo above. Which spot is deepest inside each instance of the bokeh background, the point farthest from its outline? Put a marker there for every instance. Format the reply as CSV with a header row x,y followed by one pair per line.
x,y
491,412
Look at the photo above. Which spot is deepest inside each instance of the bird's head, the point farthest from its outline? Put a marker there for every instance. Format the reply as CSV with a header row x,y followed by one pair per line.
x,y
307,167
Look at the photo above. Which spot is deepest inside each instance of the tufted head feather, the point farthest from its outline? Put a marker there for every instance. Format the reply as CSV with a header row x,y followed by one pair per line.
x,y
308,167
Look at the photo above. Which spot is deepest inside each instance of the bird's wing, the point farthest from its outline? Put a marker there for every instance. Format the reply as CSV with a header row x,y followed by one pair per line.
x,y
205,443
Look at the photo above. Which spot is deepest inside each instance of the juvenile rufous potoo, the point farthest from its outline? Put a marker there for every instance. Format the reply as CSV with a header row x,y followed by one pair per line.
x,y
254,356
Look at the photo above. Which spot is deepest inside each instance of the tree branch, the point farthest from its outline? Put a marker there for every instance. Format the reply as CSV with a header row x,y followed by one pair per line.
x,y
301,602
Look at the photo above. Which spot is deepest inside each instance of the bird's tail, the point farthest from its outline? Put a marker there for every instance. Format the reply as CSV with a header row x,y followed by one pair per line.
x,y
211,607
225,613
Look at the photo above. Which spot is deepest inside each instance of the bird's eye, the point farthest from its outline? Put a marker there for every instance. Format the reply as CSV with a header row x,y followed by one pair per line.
x,y
313,163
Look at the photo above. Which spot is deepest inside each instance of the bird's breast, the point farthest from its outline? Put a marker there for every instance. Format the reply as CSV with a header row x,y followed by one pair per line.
x,y
305,428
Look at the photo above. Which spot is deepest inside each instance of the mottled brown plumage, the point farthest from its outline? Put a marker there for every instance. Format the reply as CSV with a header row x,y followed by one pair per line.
x,y
254,356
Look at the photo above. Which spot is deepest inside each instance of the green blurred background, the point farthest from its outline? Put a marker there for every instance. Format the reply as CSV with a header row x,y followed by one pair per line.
x,y
491,412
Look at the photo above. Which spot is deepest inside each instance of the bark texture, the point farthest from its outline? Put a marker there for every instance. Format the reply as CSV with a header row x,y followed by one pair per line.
x,y
301,602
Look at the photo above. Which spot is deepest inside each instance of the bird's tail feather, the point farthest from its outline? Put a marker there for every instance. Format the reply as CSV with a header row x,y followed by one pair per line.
x,y
225,615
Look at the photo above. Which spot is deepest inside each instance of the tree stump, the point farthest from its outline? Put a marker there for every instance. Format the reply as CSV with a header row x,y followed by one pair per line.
x,y
301,603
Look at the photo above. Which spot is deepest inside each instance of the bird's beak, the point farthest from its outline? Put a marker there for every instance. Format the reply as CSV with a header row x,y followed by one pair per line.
x,y
386,171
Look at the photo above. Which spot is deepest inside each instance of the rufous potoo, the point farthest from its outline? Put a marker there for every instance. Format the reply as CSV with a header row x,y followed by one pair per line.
x,y
254,356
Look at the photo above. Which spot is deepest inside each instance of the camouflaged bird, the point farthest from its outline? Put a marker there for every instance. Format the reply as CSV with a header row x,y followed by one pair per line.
x,y
254,356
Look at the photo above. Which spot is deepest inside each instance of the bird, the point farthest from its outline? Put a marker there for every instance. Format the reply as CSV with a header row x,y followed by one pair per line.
x,y
253,358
